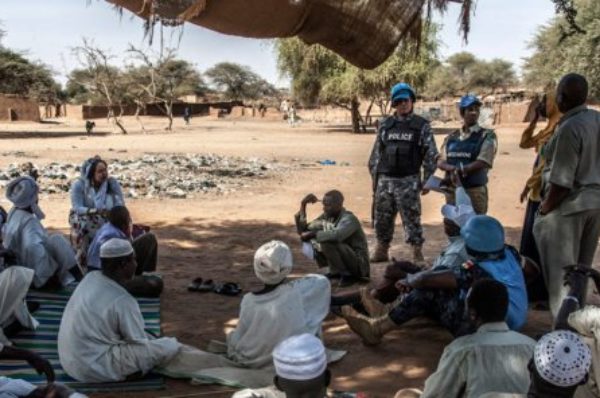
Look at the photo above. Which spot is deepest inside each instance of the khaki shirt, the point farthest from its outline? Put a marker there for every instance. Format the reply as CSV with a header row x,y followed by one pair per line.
x,y
345,229
572,160
494,359
488,148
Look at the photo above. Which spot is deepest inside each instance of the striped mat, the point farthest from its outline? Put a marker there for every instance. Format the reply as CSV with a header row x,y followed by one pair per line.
x,y
44,342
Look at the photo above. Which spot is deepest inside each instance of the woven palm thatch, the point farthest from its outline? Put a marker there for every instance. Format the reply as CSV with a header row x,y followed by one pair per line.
x,y
364,32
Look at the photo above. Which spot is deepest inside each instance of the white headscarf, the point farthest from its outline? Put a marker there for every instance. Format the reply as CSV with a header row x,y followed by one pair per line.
x,y
273,262
23,193
462,212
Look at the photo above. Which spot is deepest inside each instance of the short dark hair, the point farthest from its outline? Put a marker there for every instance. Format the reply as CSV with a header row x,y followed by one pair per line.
x,y
489,299
119,216
575,87
336,196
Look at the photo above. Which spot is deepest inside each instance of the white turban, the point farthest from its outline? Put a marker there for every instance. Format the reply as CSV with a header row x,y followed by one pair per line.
x,y
23,193
300,358
562,358
273,262
116,247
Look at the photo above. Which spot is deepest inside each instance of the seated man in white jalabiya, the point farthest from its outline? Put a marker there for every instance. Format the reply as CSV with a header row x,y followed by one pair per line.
x,y
50,256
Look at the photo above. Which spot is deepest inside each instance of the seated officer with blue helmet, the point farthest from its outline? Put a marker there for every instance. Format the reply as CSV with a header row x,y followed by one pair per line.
x,y
470,151
440,293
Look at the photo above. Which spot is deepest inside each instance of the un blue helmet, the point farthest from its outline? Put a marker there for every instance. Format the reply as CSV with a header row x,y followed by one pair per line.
x,y
468,100
403,91
483,234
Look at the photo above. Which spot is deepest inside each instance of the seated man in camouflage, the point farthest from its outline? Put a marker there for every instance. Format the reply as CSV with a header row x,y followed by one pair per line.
x,y
337,238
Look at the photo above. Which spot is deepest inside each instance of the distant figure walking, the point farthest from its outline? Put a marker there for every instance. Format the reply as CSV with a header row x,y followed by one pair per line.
x,y
187,115
89,127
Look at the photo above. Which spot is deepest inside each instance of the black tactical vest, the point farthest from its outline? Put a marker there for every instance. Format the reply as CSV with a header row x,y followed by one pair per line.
x,y
464,152
401,150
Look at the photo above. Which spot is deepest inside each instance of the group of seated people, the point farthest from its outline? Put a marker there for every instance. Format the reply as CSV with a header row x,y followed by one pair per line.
x,y
476,289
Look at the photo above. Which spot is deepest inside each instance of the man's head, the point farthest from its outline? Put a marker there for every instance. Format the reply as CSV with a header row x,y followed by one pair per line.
x,y
572,91
333,203
470,108
403,98
273,262
301,367
483,235
487,301
561,362
451,228
119,217
118,259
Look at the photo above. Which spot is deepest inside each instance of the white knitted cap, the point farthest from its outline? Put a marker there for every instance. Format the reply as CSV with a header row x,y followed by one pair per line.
x,y
273,262
116,247
562,358
300,358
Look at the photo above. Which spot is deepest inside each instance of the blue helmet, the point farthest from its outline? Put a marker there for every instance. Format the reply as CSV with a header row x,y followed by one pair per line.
x,y
468,100
483,234
403,91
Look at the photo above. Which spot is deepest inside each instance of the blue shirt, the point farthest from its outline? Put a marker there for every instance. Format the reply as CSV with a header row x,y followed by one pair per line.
x,y
106,232
508,272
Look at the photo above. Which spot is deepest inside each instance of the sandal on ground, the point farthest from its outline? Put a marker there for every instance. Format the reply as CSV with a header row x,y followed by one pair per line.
x,y
227,289
199,285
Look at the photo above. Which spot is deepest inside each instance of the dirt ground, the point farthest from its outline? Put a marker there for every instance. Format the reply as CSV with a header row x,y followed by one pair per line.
x,y
215,236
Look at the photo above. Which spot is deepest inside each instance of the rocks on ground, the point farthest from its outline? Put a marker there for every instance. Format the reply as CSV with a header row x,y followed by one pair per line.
x,y
176,176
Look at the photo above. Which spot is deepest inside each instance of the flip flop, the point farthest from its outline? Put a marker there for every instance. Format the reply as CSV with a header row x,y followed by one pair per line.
x,y
199,285
227,289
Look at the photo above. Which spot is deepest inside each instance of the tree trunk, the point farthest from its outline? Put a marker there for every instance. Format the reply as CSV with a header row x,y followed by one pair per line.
x,y
169,109
138,108
355,115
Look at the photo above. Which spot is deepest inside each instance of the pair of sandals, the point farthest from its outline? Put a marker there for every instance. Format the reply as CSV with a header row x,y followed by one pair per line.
x,y
204,286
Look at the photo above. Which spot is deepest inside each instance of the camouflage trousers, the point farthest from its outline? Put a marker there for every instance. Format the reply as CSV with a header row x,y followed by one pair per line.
x,y
398,195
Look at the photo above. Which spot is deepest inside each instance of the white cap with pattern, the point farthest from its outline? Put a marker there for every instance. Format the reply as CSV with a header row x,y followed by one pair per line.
x,y
300,358
116,247
562,358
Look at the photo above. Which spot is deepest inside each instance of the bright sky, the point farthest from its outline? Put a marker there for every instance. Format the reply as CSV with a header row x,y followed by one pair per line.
x,y
48,30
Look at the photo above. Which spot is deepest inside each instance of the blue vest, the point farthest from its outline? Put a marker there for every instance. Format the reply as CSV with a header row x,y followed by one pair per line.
x,y
508,272
464,152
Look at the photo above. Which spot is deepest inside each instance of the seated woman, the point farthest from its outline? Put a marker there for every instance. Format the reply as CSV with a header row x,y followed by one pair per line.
x,y
93,194
49,256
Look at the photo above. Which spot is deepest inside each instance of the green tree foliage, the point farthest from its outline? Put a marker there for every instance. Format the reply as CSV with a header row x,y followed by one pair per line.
x,y
239,82
320,76
555,53
463,72
19,75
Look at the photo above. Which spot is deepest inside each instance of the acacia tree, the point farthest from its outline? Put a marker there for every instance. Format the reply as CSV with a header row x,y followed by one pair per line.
x,y
162,78
320,76
101,79
239,82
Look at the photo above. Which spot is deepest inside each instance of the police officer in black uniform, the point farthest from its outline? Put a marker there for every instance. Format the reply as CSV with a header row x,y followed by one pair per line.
x,y
403,146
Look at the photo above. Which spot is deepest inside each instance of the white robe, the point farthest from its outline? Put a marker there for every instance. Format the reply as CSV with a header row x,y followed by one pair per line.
x,y
294,308
101,336
14,284
45,254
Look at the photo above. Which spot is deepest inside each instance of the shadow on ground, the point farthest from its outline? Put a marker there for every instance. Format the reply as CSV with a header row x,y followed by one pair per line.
x,y
48,134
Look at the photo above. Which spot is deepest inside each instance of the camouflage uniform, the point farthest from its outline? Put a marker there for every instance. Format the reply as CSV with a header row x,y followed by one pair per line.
x,y
401,194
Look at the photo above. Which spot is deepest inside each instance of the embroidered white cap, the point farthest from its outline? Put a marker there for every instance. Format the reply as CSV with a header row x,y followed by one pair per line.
x,y
300,357
562,358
